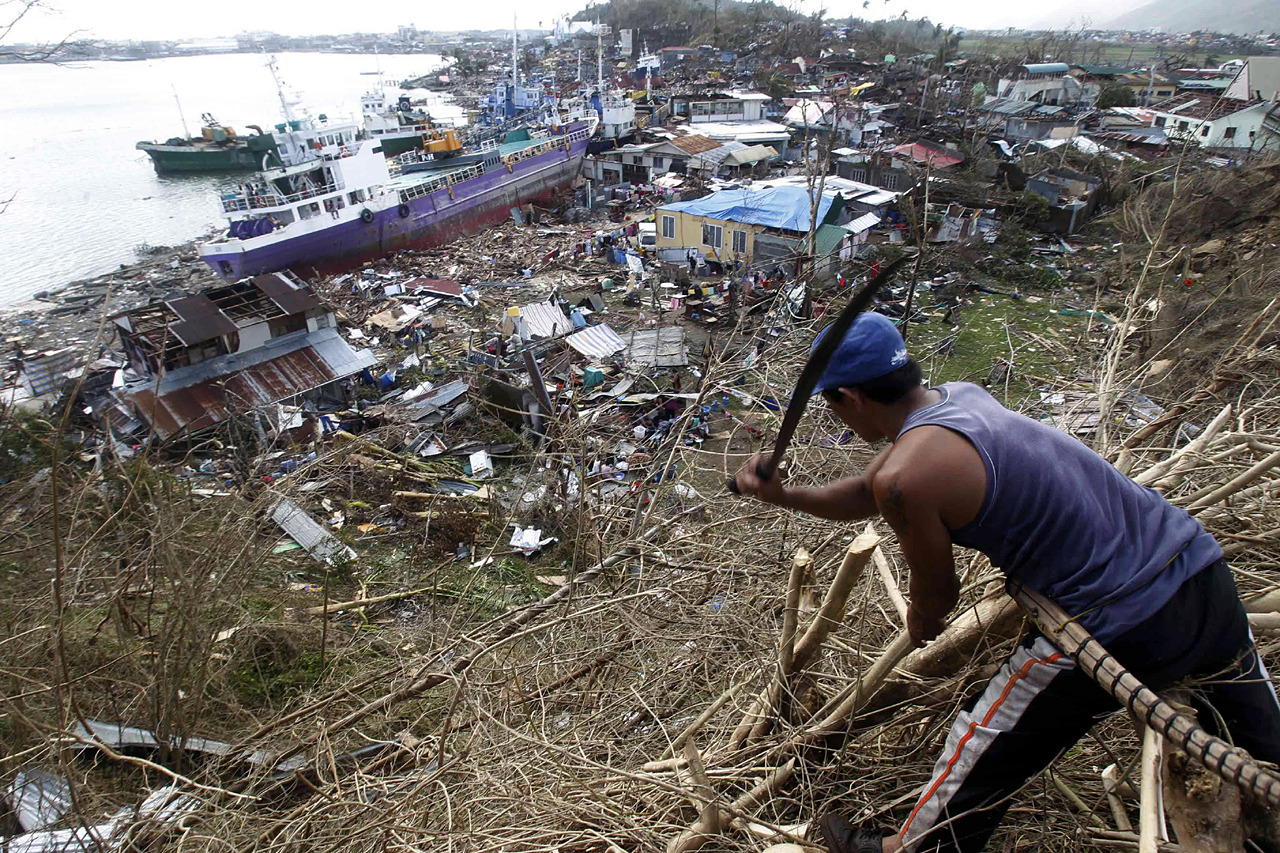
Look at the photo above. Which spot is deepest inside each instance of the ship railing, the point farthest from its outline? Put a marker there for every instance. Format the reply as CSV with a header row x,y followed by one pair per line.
x,y
426,187
545,146
259,201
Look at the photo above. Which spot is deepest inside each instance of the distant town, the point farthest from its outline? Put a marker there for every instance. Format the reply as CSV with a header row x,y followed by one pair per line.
x,y
409,39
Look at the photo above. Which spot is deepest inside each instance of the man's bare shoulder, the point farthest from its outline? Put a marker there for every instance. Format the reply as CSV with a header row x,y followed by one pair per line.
x,y
936,467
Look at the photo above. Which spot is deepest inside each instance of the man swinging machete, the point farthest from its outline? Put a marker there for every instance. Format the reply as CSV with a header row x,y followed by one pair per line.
x,y
1142,575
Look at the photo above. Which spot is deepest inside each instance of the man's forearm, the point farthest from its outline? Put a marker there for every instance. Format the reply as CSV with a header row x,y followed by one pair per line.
x,y
934,599
844,500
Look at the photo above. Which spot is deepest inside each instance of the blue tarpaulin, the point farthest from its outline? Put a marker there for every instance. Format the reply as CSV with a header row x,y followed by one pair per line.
x,y
773,207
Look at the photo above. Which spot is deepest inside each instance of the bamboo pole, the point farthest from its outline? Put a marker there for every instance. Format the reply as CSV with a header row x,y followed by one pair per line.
x,y
1151,822
1223,760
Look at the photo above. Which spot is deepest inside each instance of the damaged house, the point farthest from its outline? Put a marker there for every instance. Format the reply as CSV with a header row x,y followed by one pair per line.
x,y
194,361
1072,195
758,226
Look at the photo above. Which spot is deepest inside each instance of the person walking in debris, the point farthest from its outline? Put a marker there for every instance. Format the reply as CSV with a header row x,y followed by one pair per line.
x,y
693,261
1140,574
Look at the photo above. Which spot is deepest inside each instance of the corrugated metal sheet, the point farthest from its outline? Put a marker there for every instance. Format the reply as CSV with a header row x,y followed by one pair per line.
x,y
437,398
596,342
862,223
438,286
38,798
827,239
199,320
545,320
658,347
243,383
41,373
309,533
291,298
162,808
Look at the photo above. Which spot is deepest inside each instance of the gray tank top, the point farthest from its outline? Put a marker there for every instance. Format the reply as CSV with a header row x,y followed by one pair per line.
x,y
1060,519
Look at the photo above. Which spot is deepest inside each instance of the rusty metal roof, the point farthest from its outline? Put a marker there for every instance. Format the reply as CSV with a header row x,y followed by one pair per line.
x,y
437,286
695,143
320,358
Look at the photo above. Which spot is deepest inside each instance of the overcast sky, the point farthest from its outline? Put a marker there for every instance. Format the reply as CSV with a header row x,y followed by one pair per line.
x,y
179,19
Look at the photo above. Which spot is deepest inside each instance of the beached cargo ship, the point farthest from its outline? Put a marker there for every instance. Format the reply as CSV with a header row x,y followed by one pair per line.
x,y
347,204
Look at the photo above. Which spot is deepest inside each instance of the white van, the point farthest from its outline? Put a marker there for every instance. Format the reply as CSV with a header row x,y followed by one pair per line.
x,y
648,233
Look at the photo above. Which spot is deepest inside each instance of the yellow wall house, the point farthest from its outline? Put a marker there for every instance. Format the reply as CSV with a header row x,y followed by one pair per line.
x,y
724,225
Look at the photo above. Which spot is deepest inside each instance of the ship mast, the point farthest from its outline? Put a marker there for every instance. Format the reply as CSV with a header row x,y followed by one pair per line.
x,y
284,102
599,60
515,63
186,134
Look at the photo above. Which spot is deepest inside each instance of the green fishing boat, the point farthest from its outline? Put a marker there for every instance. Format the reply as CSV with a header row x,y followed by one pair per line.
x,y
218,149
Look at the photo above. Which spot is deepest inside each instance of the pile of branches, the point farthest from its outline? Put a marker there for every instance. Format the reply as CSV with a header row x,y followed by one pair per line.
x,y
715,672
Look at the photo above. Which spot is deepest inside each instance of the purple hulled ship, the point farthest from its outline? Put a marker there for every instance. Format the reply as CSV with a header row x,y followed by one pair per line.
x,y
348,204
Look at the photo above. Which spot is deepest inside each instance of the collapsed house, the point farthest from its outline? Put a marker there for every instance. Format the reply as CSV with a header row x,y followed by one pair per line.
x,y
194,361
1072,195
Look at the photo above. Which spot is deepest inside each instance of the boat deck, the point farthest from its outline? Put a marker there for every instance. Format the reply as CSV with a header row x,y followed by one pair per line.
x,y
413,183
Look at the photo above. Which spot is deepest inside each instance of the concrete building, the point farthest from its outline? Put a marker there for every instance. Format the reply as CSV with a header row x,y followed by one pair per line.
x,y
732,117
758,227
1212,122
1257,80
640,164
1044,83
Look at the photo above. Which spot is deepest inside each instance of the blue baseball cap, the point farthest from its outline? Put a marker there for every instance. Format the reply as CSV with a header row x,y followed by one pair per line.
x,y
871,348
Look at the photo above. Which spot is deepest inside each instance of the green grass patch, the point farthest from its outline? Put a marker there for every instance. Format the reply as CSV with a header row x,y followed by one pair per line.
x,y
996,327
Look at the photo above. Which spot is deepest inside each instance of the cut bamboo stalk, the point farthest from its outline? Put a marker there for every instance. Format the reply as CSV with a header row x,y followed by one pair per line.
x,y
775,695
759,716
1264,621
1170,464
890,585
1228,489
1254,494
1110,783
697,835
1151,823
831,613
1265,603
1227,762
865,687
791,611
710,815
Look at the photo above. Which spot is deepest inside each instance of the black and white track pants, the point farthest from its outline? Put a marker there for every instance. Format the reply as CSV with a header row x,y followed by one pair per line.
x,y
1039,703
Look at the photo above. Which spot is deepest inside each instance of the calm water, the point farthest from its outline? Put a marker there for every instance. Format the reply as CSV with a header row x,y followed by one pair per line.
x,y
84,198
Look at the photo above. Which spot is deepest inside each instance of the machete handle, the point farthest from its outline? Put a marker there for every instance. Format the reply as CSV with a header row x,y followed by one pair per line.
x,y
763,471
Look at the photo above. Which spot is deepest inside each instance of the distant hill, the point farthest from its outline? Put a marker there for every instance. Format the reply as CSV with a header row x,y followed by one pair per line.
x,y
1180,16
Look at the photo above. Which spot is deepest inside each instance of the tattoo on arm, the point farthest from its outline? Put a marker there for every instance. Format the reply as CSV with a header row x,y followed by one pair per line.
x,y
895,506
